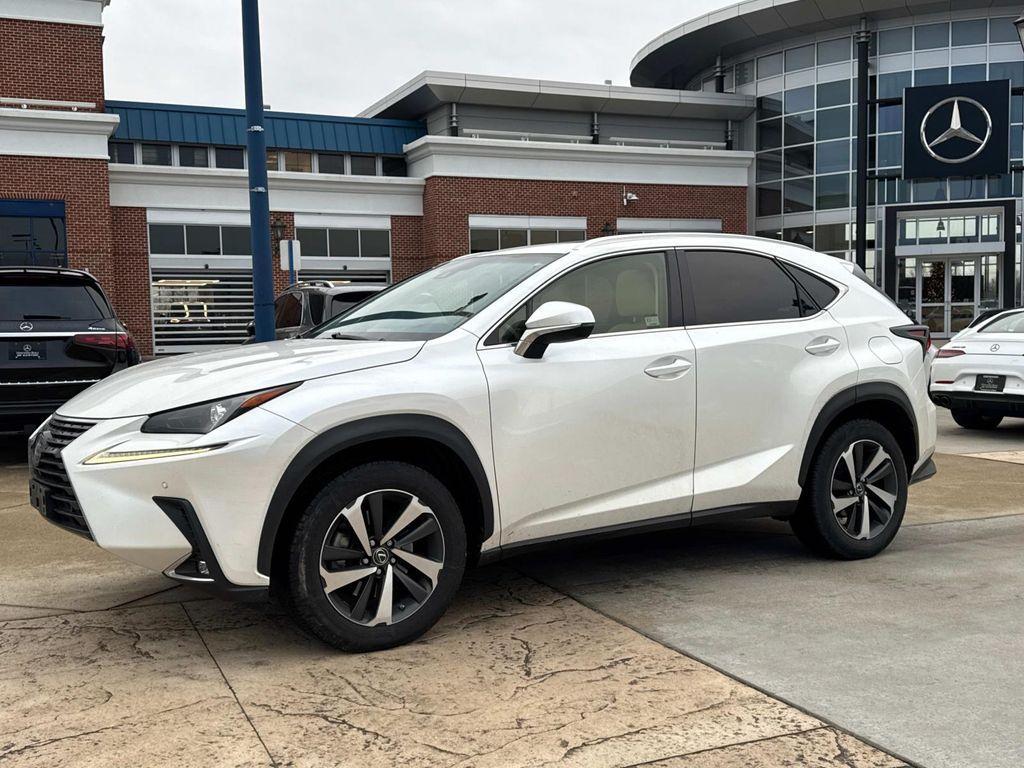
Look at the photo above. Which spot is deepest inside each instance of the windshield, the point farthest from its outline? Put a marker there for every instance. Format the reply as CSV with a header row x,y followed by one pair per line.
x,y
1010,323
433,303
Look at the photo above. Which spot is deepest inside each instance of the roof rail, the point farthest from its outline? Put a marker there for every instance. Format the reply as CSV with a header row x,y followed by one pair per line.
x,y
312,284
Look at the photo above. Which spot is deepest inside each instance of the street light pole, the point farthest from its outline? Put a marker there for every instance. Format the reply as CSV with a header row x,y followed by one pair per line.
x,y
259,203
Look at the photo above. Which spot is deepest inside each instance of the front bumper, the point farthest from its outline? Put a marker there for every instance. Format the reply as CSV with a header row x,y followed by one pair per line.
x,y
228,491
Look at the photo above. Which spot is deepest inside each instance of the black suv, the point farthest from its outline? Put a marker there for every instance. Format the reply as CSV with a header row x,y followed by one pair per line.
x,y
58,335
306,305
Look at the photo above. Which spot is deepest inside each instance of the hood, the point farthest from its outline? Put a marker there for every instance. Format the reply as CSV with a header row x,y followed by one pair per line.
x,y
179,381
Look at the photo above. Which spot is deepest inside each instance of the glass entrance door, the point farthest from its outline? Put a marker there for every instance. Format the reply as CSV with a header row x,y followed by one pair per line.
x,y
950,290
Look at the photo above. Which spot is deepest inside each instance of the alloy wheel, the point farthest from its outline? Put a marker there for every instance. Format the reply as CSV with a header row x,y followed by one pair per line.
x,y
864,489
381,558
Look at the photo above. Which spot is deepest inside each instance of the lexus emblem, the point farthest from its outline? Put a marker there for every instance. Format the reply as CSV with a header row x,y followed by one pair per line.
x,y
994,348
970,144
26,326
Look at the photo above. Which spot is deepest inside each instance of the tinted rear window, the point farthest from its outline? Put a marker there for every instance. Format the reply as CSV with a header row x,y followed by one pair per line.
x,y
736,287
35,301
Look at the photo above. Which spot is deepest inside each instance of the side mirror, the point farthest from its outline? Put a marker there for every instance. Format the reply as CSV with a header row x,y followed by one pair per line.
x,y
551,323
250,328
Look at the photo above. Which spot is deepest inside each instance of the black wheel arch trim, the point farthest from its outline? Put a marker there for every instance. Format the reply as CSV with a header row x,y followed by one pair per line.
x,y
874,391
361,431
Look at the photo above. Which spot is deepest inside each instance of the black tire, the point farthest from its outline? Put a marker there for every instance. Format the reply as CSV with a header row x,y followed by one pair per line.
x,y
975,420
307,598
817,523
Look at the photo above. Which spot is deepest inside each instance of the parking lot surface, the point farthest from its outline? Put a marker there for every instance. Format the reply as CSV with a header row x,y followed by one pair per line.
x,y
727,646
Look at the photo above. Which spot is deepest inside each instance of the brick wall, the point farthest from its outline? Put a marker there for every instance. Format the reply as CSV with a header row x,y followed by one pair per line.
x,y
44,60
130,291
407,254
449,201
286,220
84,187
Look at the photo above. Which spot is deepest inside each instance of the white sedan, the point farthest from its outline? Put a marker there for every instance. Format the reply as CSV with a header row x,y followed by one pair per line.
x,y
979,374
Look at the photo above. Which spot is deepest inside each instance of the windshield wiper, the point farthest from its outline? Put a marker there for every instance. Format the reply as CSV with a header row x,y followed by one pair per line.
x,y
43,317
349,337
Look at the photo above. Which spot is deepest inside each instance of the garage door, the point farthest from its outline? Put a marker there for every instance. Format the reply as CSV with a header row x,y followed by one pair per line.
x,y
196,310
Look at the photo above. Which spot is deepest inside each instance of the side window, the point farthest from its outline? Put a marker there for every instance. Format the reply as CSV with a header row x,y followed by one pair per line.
x,y
287,311
625,293
821,291
735,287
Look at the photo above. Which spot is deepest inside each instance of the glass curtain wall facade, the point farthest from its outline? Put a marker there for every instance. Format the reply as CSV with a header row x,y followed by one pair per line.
x,y
804,133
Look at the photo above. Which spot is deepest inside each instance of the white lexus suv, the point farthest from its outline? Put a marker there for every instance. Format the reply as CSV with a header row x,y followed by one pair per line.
x,y
500,401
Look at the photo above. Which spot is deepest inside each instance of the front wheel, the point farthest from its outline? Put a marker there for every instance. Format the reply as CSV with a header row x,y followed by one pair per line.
x,y
377,557
856,493
975,420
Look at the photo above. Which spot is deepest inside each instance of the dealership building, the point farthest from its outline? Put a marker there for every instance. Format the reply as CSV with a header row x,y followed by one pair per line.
x,y
743,121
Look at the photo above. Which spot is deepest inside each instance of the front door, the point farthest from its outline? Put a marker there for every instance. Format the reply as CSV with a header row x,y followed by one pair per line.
x,y
599,432
949,290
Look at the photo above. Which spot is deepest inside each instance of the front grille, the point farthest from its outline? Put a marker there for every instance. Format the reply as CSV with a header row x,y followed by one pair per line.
x,y
47,466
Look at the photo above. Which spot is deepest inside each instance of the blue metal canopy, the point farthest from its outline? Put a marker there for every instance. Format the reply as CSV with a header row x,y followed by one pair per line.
x,y
180,124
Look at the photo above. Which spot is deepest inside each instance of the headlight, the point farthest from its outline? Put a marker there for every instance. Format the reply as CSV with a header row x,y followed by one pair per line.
x,y
205,417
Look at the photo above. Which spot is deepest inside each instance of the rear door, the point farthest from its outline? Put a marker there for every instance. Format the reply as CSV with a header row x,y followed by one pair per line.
x,y
767,359
57,336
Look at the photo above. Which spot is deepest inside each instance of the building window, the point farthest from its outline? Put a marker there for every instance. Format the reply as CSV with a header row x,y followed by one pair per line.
x,y
202,240
1002,31
971,32
393,166
800,58
833,51
364,165
344,243
273,160
744,72
895,40
769,66
328,162
156,154
928,36
229,157
32,233
199,240
236,241
193,157
167,238
298,162
121,152
483,239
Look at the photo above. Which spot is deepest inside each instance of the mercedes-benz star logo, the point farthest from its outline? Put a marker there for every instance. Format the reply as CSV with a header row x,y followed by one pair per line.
x,y
994,348
26,326
970,145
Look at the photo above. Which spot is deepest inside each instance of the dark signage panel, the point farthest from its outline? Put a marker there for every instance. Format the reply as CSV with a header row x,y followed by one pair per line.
x,y
961,129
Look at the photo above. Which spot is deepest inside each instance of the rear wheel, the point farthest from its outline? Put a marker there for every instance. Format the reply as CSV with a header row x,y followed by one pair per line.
x,y
856,493
377,557
975,420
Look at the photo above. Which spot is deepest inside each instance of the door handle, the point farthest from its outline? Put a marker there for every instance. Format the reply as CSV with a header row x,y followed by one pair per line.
x,y
823,345
668,368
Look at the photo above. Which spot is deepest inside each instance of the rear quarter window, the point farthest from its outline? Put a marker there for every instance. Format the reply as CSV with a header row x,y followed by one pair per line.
x,y
820,290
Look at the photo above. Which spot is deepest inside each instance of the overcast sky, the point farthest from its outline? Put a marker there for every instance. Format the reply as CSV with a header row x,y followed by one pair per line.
x,y
341,56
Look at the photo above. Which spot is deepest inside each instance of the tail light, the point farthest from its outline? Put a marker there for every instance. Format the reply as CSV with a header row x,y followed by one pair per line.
x,y
114,342
947,352
920,333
